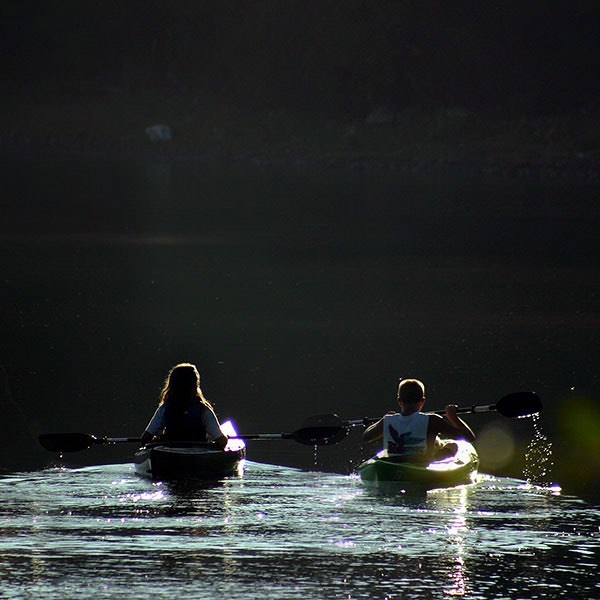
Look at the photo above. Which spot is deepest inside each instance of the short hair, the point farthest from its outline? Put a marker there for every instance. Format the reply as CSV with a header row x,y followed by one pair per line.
x,y
411,391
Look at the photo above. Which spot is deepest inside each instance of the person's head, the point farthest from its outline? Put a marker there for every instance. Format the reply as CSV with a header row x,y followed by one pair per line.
x,y
411,395
182,384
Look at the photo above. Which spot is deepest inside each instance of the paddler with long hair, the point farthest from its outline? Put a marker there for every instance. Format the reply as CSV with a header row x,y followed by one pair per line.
x,y
183,413
413,434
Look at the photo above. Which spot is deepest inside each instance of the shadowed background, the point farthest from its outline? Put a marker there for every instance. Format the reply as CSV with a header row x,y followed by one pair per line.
x,y
296,293
353,192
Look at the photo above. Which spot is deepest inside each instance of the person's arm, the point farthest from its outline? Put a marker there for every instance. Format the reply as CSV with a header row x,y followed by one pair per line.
x,y
452,426
221,442
155,426
146,438
213,428
373,432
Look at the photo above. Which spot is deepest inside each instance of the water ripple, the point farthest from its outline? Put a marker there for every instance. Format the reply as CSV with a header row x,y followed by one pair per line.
x,y
286,533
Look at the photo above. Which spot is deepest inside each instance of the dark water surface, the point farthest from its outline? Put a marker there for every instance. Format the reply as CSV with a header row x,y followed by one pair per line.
x,y
277,532
296,293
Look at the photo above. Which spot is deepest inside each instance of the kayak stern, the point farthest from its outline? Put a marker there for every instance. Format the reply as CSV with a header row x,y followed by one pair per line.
x,y
181,461
458,469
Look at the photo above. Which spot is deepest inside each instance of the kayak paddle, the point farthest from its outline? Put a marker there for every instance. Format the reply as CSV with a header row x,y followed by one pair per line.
x,y
516,405
320,430
330,429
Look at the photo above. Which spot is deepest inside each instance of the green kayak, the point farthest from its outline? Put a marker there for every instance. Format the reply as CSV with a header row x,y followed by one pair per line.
x,y
458,468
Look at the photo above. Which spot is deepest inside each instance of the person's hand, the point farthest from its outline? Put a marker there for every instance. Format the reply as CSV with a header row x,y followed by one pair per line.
x,y
450,410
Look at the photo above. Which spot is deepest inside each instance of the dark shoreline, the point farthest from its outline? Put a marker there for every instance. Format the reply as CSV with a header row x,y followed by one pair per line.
x,y
414,140
563,170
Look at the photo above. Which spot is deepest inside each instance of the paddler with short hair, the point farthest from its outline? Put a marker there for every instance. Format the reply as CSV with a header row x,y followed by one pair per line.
x,y
414,434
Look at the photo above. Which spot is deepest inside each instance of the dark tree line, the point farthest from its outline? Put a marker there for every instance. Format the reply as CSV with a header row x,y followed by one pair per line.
x,y
329,55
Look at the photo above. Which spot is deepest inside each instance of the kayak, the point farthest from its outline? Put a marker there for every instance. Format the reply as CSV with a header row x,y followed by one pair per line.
x,y
189,460
458,468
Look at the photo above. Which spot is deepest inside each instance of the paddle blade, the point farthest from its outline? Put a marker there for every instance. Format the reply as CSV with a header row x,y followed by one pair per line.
x,y
66,442
519,405
321,430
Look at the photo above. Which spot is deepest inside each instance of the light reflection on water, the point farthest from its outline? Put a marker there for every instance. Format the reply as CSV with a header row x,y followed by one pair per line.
x,y
285,533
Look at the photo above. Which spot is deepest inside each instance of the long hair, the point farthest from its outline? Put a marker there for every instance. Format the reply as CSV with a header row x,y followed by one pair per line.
x,y
181,386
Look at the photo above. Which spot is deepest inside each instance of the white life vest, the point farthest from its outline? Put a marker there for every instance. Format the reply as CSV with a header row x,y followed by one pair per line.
x,y
405,434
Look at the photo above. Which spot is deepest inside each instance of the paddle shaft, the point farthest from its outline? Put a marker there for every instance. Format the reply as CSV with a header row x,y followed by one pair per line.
x,y
264,436
251,436
459,410
75,442
515,405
